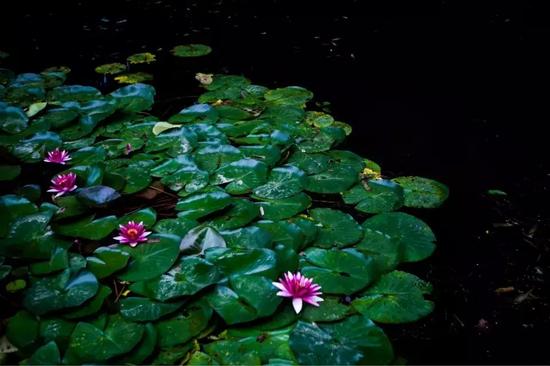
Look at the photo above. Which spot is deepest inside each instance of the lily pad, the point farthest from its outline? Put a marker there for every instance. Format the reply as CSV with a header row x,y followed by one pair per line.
x,y
343,271
423,192
151,259
110,69
60,291
397,297
242,175
202,204
106,261
191,50
97,196
140,309
292,95
284,208
184,326
375,196
355,340
283,182
88,228
142,58
189,276
337,229
399,235
92,306
134,98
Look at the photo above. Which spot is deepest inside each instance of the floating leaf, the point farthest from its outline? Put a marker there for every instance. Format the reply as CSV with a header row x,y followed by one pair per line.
x,y
284,208
60,291
242,175
106,261
93,344
134,98
191,50
142,58
188,277
22,329
292,95
423,192
92,306
133,78
144,348
283,182
110,69
397,236
397,297
46,355
342,271
337,229
355,340
35,108
240,213
151,259
88,228
140,309
183,327
375,196
202,204
331,309
201,238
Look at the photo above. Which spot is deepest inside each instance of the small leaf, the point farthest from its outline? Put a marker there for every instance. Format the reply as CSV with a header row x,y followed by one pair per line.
x,y
191,50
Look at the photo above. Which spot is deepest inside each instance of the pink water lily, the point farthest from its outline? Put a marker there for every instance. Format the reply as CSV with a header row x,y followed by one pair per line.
x,y
58,156
132,233
63,183
300,289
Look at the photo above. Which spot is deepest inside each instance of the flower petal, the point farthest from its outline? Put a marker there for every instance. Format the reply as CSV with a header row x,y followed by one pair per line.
x,y
297,304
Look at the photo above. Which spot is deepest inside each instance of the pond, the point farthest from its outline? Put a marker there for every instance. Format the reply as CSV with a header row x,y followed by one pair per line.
x,y
436,91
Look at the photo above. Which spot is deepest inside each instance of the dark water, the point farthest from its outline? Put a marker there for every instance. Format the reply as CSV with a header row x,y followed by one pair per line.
x,y
449,90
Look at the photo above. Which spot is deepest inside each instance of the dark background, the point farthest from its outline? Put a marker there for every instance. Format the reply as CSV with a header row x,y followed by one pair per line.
x,y
453,90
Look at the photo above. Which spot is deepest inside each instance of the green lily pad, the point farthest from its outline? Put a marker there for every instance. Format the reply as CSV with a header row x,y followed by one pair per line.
x,y
337,229
144,348
142,58
185,326
319,119
310,163
253,348
202,204
92,306
88,228
398,235
283,182
151,259
92,344
423,192
240,213
375,196
12,119
339,271
134,78
189,276
179,226
186,180
60,291
292,95
135,178
74,93
242,175
33,149
134,98
212,157
355,340
22,329
269,154
236,262
106,261
12,207
284,208
59,260
191,50
336,179
397,297
140,309
110,69
247,237
88,155
147,215
329,310
48,354
197,113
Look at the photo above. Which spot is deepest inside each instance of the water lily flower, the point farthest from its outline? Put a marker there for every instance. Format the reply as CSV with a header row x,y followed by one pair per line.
x,y
300,289
132,233
58,156
63,183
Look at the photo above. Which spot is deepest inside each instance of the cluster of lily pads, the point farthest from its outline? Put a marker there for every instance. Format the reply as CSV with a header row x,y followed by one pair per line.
x,y
165,246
